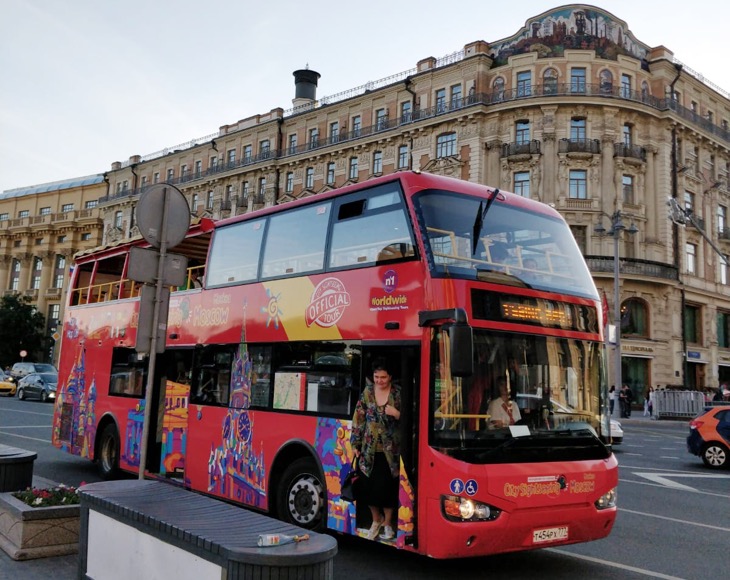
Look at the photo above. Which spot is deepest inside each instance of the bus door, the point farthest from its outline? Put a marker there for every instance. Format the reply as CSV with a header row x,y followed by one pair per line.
x,y
404,362
169,414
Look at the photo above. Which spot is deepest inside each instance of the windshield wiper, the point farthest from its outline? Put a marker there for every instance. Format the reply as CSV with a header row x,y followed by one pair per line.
x,y
479,221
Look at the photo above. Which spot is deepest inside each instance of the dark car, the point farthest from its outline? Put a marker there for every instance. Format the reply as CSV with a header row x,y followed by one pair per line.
x,y
39,386
709,436
21,369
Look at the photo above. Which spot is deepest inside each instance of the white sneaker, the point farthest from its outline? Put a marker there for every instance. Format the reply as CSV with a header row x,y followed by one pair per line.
x,y
374,530
388,533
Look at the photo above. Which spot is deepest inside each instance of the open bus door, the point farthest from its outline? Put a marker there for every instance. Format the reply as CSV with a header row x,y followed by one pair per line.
x,y
404,360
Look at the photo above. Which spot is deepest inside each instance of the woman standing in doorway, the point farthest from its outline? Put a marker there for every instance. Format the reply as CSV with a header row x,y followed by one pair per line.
x,y
376,441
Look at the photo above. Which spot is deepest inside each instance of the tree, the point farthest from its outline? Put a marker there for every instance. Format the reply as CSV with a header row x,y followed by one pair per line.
x,y
22,327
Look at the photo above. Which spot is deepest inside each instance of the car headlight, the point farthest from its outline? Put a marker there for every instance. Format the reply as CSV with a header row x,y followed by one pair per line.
x,y
607,500
461,509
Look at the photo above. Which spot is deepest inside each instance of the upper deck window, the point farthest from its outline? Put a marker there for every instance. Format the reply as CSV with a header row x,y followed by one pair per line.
x,y
371,227
228,263
295,241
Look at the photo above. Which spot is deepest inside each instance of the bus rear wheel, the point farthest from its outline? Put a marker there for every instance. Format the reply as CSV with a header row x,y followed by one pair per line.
x,y
300,498
107,457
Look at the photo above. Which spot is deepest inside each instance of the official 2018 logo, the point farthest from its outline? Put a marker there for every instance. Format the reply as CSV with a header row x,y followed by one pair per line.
x,y
328,303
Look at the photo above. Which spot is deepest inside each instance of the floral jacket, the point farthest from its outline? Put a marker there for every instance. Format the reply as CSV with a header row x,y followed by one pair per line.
x,y
368,422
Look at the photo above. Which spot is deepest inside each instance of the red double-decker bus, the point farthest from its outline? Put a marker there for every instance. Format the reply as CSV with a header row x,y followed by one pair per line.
x,y
458,286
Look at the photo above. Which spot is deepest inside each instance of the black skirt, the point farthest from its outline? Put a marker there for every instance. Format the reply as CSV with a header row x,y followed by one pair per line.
x,y
381,488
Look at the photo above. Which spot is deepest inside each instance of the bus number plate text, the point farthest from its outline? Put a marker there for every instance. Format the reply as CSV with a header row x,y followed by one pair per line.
x,y
549,535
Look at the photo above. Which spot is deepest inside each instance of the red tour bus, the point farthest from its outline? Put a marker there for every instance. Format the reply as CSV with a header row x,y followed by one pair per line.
x,y
458,286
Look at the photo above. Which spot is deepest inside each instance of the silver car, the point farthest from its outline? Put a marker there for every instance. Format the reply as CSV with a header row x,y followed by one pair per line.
x,y
39,386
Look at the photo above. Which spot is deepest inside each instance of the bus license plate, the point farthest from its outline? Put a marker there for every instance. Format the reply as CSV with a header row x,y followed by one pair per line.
x,y
550,535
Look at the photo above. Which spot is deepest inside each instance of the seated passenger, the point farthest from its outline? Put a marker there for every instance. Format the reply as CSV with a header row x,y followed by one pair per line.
x,y
503,411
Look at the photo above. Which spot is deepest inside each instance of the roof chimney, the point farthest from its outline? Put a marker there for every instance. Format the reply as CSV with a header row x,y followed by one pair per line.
x,y
305,81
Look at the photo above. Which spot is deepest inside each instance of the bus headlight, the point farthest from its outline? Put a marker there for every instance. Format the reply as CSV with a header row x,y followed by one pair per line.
x,y
461,509
607,500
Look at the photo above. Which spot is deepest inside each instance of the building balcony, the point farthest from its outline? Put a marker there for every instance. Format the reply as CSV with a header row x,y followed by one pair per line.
x,y
521,149
632,267
591,146
629,151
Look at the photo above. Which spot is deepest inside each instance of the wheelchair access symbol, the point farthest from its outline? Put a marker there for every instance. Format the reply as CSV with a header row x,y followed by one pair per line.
x,y
471,487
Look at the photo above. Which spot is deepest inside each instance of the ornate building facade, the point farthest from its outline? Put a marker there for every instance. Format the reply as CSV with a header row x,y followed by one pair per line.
x,y
41,228
571,110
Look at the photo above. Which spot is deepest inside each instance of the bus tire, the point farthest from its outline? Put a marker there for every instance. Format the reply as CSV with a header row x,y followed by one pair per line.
x,y
107,457
300,497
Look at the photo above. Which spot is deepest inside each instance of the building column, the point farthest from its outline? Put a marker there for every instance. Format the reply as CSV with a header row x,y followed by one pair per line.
x,y
610,192
494,173
46,271
5,262
650,195
25,263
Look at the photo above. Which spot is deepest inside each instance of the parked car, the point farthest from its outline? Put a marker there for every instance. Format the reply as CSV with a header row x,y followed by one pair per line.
x,y
38,385
7,384
617,433
709,436
21,369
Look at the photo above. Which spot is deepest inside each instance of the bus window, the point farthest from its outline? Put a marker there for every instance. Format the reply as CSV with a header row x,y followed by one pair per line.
x,y
371,230
316,377
261,378
212,375
295,241
234,257
128,375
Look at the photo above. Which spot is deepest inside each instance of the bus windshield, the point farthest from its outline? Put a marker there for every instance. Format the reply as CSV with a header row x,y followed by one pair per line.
x,y
511,245
530,399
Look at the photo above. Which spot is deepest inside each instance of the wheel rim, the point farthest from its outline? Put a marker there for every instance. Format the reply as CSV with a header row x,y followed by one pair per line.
x,y
108,454
305,499
44,396
21,394
715,456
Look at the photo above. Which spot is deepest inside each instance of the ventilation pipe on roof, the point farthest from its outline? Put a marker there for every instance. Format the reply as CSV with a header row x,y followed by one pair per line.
x,y
305,81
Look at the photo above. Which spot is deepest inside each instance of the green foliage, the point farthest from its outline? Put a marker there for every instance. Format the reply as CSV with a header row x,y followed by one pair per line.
x,y
22,327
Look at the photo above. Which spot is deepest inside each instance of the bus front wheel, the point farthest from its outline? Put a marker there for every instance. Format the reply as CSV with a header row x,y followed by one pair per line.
x,y
107,458
300,499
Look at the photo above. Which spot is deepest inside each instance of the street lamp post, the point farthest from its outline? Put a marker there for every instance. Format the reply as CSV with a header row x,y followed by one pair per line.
x,y
617,226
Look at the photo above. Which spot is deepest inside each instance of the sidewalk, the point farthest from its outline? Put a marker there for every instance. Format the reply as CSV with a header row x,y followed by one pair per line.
x,y
58,568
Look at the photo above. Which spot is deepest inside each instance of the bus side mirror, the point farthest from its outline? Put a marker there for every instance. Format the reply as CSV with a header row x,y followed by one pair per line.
x,y
462,347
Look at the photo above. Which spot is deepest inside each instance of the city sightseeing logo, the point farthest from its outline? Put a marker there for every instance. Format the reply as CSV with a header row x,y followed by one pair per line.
x,y
390,300
328,303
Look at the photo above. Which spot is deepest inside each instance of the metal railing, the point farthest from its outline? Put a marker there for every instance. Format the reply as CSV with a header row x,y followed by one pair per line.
x,y
677,404
633,266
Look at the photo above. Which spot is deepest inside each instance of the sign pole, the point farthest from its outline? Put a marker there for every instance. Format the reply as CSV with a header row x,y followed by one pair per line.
x,y
153,339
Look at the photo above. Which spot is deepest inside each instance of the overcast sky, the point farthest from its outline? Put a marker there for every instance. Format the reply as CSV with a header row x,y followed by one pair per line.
x,y
84,83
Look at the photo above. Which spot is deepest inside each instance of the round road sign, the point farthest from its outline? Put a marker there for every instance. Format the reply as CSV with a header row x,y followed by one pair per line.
x,y
151,208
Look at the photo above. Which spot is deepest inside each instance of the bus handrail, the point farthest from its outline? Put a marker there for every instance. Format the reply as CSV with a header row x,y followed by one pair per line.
x,y
120,289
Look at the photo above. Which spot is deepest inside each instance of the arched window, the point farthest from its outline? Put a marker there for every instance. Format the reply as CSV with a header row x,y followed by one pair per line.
x,y
635,318
550,82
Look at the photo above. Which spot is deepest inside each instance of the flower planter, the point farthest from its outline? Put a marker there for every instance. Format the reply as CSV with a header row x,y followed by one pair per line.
x,y
27,532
